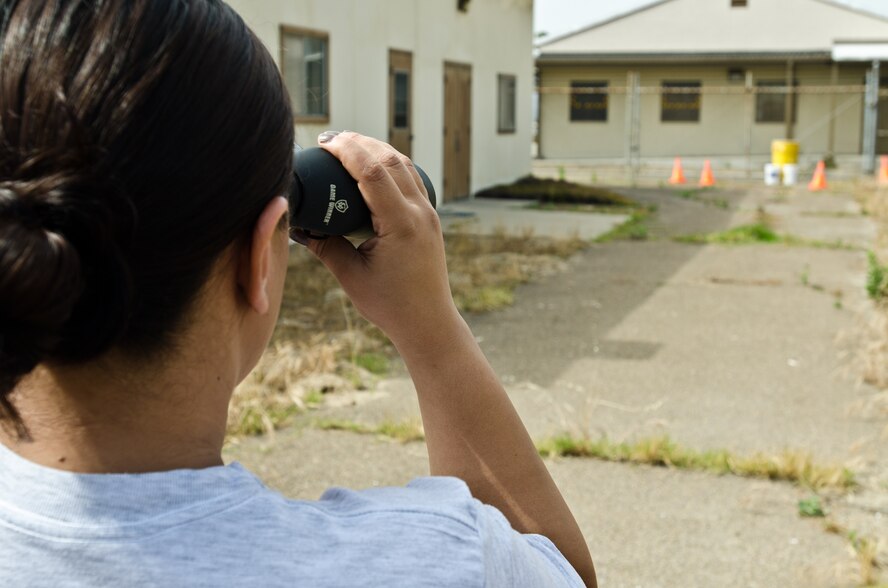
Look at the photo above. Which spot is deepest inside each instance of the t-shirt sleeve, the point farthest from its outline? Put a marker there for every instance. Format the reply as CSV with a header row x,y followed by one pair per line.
x,y
513,559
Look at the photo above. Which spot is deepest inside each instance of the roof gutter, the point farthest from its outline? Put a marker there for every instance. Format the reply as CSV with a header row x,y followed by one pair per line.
x,y
683,57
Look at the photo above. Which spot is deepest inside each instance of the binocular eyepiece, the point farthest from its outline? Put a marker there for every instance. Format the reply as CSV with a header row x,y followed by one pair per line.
x,y
325,199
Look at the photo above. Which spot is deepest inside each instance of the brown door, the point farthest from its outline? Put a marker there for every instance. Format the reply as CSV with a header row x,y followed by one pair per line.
x,y
401,101
457,130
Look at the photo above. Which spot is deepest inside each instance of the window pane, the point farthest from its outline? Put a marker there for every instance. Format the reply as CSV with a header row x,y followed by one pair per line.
x,y
588,106
402,100
305,73
770,107
507,107
681,107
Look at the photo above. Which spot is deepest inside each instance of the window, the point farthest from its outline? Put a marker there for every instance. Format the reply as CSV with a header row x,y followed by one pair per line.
x,y
304,64
402,100
507,97
770,107
586,105
738,3
681,105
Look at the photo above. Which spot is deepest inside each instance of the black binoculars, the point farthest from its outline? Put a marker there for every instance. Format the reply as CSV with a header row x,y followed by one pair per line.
x,y
325,199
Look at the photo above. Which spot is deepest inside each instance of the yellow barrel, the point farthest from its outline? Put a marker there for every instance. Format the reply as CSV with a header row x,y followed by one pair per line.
x,y
784,152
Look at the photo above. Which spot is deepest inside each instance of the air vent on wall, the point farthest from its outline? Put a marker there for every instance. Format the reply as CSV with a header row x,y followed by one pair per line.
x,y
736,74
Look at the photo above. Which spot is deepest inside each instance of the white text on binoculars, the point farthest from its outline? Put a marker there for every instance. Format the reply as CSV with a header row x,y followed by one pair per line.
x,y
341,205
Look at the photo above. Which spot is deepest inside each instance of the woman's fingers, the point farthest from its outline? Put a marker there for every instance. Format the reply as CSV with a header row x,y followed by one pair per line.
x,y
376,165
400,167
379,188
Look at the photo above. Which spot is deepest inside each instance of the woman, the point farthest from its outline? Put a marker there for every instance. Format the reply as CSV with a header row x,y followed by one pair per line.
x,y
145,149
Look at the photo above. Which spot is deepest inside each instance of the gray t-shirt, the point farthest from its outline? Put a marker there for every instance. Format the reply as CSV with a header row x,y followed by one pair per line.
x,y
221,527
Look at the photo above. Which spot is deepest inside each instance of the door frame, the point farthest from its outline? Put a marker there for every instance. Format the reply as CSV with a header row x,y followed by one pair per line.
x,y
397,58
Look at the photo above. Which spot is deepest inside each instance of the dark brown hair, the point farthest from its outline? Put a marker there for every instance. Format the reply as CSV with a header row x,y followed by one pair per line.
x,y
138,140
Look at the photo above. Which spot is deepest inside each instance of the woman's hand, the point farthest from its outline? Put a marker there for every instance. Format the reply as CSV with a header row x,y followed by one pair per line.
x,y
397,279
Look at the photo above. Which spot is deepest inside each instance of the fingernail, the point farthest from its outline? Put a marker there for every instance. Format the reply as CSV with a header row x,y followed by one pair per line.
x,y
326,136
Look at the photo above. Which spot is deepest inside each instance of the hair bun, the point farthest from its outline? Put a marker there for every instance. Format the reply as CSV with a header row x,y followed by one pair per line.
x,y
39,275
63,272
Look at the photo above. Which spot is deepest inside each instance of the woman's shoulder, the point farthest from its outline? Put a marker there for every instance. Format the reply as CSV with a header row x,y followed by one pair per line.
x,y
437,500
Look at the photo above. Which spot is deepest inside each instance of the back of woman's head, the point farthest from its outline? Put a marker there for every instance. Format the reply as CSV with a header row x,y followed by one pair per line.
x,y
138,140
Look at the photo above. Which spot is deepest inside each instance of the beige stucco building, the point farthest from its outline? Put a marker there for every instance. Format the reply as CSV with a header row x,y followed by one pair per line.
x,y
447,81
714,51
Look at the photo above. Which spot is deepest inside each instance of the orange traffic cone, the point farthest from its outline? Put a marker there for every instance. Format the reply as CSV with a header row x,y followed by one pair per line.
x,y
707,179
678,176
818,182
883,171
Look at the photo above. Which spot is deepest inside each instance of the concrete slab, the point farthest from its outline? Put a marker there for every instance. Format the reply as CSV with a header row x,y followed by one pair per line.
x,y
483,216
718,346
646,527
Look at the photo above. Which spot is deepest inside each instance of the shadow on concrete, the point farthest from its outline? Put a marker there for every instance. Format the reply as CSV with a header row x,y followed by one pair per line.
x,y
568,316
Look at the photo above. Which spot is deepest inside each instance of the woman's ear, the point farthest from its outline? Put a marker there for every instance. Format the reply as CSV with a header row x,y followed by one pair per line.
x,y
256,262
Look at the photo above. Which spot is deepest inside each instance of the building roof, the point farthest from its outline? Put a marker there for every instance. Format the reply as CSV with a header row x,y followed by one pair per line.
x,y
704,30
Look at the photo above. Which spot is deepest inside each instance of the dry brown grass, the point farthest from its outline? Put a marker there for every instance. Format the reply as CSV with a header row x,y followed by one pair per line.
x,y
323,345
484,270
279,386
789,465
403,431
869,553
870,340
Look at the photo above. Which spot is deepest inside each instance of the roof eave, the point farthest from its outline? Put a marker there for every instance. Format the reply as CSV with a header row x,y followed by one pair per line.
x,y
682,57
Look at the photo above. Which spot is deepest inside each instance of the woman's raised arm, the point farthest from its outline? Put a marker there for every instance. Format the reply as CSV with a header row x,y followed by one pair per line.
x,y
398,280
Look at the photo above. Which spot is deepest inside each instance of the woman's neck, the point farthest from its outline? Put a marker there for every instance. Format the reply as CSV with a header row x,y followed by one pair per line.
x,y
105,418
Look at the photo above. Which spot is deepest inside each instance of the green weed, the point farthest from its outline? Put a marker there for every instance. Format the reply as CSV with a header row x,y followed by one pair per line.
x,y
811,507
486,299
634,229
759,233
314,398
742,235
876,278
375,363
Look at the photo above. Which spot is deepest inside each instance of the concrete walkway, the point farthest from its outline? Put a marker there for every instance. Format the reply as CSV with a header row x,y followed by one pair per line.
x,y
718,347
484,216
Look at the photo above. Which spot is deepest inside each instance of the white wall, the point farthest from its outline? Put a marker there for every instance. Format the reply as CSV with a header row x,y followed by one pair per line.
x,y
494,36
721,129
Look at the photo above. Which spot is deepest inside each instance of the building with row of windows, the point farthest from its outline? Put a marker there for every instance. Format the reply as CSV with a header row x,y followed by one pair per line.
x,y
448,82
712,79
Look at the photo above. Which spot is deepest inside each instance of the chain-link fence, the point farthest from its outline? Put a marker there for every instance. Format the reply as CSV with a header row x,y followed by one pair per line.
x,y
634,129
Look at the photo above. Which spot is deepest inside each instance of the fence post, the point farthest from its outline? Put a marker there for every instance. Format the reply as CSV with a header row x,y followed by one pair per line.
x,y
750,118
789,108
632,133
831,141
871,119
